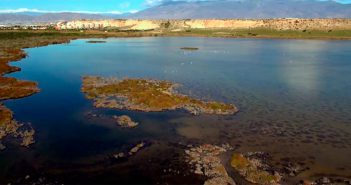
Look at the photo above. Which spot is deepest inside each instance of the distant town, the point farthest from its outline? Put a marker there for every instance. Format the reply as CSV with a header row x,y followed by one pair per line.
x,y
28,27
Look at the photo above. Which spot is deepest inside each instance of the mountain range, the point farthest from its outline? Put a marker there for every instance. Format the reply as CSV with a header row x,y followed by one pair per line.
x,y
33,17
251,9
214,9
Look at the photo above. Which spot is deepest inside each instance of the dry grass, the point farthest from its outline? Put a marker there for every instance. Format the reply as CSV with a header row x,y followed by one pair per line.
x,y
5,115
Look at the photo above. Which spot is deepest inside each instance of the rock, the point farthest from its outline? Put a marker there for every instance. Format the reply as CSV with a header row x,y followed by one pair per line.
x,y
27,177
119,155
125,121
28,137
220,181
325,180
2,147
136,148
206,161
198,171
328,181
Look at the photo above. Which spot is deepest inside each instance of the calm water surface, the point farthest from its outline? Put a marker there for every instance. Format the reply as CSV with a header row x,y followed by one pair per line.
x,y
294,98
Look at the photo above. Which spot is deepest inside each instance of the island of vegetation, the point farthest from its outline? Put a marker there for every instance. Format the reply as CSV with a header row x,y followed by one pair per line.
x,y
147,95
96,41
189,48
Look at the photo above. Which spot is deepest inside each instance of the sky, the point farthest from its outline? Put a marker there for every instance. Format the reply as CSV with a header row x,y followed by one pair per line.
x,y
84,6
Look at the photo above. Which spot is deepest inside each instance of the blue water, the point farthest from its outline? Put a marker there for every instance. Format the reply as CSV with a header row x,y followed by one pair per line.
x,y
293,95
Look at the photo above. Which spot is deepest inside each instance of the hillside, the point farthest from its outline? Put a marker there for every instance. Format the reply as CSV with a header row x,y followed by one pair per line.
x,y
252,9
30,18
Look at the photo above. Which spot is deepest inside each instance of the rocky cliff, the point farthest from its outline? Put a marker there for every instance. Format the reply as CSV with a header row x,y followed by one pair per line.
x,y
277,24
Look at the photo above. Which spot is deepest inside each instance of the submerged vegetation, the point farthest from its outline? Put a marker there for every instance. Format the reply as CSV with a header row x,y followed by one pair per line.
x,y
146,95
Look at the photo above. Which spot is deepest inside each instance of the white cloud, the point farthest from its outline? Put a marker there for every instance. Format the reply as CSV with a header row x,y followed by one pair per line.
x,y
133,11
157,2
153,2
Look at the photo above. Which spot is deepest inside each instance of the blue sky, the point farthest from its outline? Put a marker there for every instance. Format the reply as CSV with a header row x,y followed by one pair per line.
x,y
87,6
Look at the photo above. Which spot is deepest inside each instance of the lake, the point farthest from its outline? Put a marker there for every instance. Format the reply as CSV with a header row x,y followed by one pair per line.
x,y
294,98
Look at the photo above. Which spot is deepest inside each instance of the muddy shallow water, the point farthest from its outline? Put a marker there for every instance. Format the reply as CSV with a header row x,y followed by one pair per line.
x,y
293,95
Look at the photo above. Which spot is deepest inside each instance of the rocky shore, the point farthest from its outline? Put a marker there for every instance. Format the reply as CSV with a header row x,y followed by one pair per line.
x,y
205,160
254,167
147,95
19,131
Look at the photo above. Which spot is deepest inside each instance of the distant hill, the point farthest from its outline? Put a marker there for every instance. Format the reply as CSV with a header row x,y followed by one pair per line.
x,y
246,9
31,18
